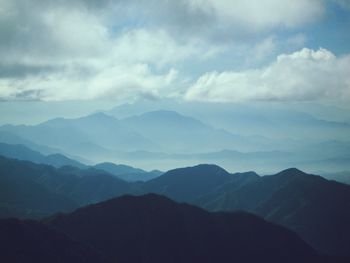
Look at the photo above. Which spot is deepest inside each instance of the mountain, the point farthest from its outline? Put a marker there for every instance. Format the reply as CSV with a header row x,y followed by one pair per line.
x,y
317,209
285,121
31,190
23,197
342,177
153,228
91,135
11,138
186,184
128,173
179,133
22,152
272,121
30,241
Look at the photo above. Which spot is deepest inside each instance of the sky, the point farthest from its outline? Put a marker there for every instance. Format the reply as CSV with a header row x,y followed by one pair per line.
x,y
191,50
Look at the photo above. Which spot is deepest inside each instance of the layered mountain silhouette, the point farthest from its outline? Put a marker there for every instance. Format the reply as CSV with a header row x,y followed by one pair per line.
x,y
315,208
31,190
91,135
170,139
179,133
128,173
22,152
153,228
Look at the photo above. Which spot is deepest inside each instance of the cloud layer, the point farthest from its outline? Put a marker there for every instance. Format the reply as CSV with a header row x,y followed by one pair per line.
x,y
124,50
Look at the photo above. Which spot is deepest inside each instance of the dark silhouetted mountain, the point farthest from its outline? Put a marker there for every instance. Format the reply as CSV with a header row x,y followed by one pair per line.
x,y
23,196
342,177
317,209
31,190
22,152
186,184
128,173
30,241
152,228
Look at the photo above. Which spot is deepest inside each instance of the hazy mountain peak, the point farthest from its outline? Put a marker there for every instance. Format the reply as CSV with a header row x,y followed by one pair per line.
x,y
98,116
291,171
202,168
166,115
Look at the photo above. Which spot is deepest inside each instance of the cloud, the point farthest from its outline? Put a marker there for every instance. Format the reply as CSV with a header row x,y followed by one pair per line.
x,y
60,50
259,15
305,75
116,83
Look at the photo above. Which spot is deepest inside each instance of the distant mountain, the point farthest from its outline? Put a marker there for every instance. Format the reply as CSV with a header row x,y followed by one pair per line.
x,y
271,121
86,136
22,152
11,138
29,190
128,173
152,228
30,241
179,133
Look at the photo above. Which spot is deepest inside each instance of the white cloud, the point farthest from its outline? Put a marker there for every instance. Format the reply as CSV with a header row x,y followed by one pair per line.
x,y
304,75
113,82
58,50
63,53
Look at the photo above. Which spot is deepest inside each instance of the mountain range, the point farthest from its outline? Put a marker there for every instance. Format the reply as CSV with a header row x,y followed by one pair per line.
x,y
315,208
164,139
21,152
153,228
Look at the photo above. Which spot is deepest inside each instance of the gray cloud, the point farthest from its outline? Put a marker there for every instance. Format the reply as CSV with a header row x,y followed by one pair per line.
x,y
86,49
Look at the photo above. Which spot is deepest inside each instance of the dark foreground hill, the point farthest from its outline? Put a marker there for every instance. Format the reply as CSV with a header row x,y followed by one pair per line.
x,y
29,190
187,184
153,228
30,241
317,209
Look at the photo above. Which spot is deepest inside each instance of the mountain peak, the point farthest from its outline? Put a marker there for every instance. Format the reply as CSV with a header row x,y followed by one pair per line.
x,y
291,171
98,116
166,116
164,113
187,183
203,168
161,230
